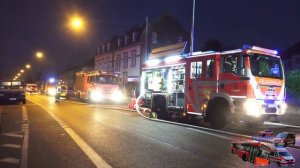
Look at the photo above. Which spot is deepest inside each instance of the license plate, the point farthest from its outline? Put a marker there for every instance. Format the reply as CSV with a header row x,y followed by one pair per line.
x,y
12,98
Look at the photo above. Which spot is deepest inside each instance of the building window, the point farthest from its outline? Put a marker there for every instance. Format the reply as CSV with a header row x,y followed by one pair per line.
x,y
210,64
125,60
118,63
196,70
133,58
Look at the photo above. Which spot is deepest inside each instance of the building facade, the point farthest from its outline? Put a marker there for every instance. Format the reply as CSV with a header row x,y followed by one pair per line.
x,y
122,55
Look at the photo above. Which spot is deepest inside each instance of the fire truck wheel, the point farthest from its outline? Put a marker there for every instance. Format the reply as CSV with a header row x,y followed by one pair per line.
x,y
217,114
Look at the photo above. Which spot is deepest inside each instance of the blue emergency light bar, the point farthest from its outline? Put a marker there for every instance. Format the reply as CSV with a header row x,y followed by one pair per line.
x,y
249,47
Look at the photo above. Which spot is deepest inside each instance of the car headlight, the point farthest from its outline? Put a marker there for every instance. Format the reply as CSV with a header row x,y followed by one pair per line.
x,y
117,95
96,95
51,91
252,107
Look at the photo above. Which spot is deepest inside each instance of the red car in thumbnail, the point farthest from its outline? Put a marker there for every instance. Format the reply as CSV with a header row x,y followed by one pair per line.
x,y
254,152
264,133
285,139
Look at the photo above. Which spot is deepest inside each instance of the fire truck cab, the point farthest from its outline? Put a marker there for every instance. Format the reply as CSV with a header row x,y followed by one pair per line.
x,y
244,84
97,86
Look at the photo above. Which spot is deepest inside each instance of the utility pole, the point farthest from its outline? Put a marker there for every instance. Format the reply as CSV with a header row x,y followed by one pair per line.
x,y
146,38
192,30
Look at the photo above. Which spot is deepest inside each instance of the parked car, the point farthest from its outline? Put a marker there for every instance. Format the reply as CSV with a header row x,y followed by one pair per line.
x,y
281,156
264,133
285,139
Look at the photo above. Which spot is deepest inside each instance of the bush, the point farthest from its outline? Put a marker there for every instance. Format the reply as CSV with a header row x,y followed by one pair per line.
x,y
293,84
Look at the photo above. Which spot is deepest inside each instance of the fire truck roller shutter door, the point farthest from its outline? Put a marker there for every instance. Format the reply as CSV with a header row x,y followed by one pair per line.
x,y
218,113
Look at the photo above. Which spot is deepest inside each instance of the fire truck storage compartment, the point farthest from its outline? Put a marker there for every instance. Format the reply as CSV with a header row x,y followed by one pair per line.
x,y
167,82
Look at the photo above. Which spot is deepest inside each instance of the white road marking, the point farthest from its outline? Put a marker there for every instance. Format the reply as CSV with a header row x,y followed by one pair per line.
x,y
10,160
281,124
209,133
94,157
25,130
11,146
11,134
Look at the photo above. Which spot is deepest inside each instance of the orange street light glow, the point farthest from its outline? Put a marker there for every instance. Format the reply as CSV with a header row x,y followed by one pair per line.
x,y
22,70
39,54
28,66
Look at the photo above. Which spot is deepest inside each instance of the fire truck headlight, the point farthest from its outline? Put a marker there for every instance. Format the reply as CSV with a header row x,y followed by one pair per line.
x,y
283,108
117,95
52,91
96,95
252,107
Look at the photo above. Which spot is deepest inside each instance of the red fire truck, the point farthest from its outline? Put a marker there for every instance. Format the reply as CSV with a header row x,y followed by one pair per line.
x,y
97,86
244,84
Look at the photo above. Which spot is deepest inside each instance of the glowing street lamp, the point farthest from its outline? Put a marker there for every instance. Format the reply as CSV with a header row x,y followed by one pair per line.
x,y
76,23
19,74
28,66
39,55
22,70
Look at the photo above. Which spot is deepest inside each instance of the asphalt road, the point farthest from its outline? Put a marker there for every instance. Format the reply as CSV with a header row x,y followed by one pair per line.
x,y
72,134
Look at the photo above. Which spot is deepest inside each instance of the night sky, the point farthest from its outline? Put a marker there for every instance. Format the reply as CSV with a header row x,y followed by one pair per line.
x,y
31,25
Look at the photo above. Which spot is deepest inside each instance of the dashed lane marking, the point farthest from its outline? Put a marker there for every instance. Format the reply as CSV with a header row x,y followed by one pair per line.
x,y
11,146
10,160
90,152
25,130
11,134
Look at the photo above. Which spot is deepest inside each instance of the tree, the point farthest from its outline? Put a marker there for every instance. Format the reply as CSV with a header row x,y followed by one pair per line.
x,y
212,44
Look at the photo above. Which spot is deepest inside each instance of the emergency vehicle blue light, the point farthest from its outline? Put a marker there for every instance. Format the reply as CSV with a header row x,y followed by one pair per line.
x,y
51,80
247,47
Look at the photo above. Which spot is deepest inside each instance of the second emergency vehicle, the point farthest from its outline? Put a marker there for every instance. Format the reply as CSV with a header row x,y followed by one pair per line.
x,y
97,86
244,84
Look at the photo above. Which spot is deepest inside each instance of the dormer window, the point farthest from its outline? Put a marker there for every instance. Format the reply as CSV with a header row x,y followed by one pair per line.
x,y
134,36
119,42
108,46
103,48
126,39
